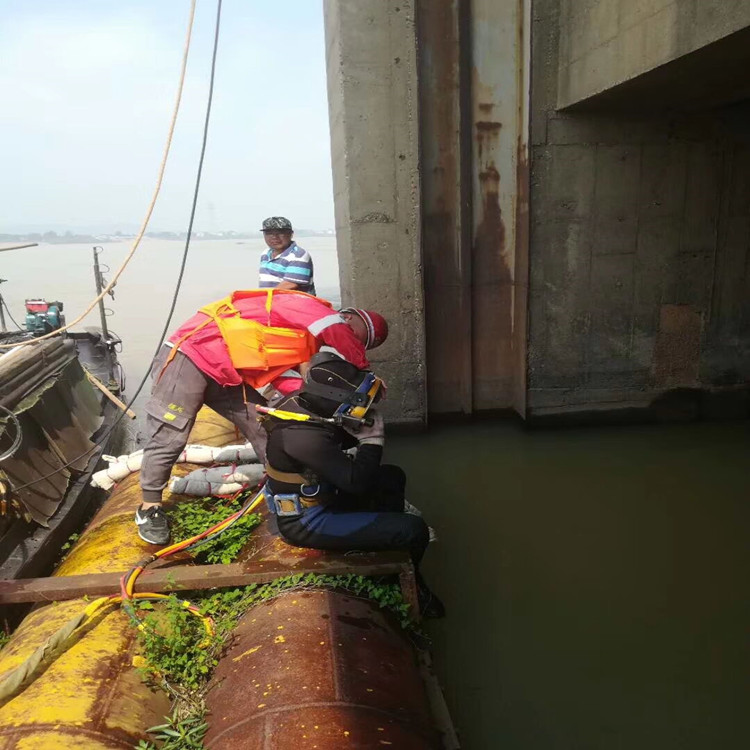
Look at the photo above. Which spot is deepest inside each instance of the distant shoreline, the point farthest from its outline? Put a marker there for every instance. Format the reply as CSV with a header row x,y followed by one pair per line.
x,y
69,238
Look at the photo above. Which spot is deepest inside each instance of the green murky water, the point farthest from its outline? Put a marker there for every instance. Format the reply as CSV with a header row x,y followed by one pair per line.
x,y
595,581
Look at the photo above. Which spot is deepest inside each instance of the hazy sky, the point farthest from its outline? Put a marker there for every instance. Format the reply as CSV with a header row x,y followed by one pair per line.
x,y
87,88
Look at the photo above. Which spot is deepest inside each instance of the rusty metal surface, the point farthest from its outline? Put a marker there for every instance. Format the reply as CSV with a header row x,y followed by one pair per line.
x,y
318,669
446,190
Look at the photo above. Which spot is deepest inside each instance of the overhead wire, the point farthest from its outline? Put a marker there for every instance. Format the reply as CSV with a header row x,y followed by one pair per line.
x,y
105,436
22,675
152,204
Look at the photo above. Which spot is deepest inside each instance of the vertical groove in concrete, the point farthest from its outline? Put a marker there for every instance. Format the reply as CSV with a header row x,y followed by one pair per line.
x,y
498,92
446,200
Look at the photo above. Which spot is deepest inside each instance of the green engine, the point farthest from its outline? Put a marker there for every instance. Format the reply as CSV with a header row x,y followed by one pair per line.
x,y
43,317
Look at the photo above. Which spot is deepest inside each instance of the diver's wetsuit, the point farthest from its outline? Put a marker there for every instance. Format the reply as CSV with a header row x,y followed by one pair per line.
x,y
361,502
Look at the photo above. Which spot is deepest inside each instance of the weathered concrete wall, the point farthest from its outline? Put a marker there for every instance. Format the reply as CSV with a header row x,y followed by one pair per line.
x,y
640,229
604,43
372,90
473,124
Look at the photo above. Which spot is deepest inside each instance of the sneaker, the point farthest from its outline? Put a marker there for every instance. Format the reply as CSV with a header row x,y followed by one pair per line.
x,y
153,525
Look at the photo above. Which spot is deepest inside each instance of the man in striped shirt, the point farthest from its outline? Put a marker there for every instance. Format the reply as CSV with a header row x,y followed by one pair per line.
x,y
285,265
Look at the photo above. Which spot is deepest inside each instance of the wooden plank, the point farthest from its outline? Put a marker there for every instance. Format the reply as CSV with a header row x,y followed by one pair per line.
x,y
111,396
191,577
408,581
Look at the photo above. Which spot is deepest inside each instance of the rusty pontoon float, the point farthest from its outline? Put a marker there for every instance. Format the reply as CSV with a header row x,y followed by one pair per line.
x,y
309,669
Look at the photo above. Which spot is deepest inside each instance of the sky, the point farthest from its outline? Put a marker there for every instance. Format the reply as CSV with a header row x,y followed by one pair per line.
x,y
87,90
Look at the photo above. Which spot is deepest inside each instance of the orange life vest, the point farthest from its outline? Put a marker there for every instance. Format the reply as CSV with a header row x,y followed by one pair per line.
x,y
261,352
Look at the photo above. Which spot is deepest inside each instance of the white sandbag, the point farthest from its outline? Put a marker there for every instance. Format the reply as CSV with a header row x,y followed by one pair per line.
x,y
217,481
236,454
121,466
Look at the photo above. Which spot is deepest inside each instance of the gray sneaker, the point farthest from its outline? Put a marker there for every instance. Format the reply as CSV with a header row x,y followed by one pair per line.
x,y
153,525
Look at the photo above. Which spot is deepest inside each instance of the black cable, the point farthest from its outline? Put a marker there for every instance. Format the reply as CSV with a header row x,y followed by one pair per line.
x,y
10,315
106,435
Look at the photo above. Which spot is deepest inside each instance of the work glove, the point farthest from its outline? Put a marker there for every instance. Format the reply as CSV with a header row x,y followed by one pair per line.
x,y
373,434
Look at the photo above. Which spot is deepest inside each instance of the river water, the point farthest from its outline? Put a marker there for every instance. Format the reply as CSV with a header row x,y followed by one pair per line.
x,y
595,581
594,578
144,292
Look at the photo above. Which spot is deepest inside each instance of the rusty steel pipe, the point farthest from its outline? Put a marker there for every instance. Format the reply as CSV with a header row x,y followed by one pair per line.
x,y
319,669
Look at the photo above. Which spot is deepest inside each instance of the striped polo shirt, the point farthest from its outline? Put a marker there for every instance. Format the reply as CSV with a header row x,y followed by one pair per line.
x,y
293,264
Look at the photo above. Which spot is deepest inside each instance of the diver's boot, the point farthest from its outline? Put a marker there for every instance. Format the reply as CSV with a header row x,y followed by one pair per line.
x,y
429,605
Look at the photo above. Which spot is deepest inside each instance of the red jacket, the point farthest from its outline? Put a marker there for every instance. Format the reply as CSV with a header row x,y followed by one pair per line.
x,y
208,352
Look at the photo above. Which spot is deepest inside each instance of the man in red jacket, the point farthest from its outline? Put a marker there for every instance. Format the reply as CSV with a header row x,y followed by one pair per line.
x,y
196,367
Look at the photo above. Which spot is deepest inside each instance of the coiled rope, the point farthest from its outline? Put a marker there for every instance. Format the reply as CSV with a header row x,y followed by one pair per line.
x,y
19,434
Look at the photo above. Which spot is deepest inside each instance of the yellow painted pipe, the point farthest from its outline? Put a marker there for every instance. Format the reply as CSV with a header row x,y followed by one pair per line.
x,y
91,697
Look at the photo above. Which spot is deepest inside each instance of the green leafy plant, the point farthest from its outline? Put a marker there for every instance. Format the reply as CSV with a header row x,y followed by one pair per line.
x,y
175,646
72,539
182,734
191,518
4,638
66,548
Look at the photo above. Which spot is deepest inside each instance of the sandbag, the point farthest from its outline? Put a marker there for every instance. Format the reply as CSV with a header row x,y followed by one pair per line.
x,y
121,466
217,481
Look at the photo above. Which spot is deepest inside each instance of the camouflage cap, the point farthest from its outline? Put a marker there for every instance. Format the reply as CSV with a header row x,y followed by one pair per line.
x,y
276,224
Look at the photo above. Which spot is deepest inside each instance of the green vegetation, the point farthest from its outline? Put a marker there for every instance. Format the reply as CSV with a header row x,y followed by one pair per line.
x,y
185,734
68,546
177,651
4,638
178,656
191,518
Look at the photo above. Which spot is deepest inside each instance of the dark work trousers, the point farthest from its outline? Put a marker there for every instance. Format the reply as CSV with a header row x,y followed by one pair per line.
x,y
368,522
176,398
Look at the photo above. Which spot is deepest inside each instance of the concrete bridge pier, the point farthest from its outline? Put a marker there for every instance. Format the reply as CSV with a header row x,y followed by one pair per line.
x,y
428,122
548,199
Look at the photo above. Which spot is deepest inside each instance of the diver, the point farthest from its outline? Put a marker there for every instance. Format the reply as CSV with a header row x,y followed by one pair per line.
x,y
322,496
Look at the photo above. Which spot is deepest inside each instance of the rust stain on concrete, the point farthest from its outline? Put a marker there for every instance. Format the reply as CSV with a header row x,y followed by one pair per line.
x,y
488,126
521,277
676,358
492,278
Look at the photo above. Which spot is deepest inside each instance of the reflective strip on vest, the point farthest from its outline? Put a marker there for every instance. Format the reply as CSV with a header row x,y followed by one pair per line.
x,y
319,326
